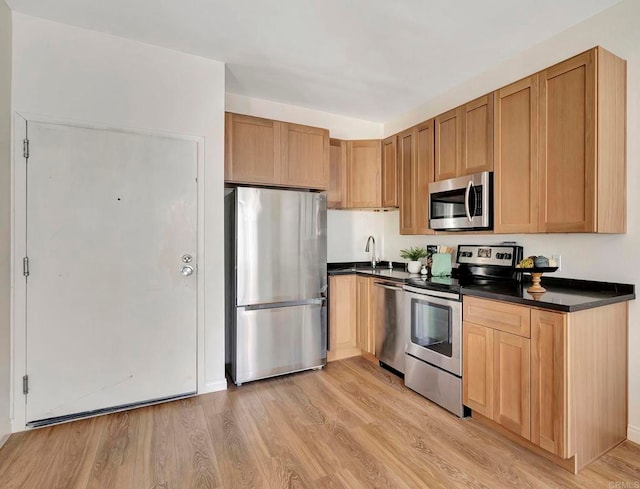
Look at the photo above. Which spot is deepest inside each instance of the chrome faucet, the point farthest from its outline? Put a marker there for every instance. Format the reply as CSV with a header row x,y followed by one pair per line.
x,y
372,240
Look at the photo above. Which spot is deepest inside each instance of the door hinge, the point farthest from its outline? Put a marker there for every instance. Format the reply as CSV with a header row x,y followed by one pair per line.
x,y
25,385
25,266
25,148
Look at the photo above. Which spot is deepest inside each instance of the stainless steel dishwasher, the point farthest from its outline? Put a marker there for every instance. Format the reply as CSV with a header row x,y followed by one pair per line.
x,y
391,337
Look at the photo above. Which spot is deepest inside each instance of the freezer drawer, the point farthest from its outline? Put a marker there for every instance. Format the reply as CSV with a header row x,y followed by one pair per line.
x,y
271,341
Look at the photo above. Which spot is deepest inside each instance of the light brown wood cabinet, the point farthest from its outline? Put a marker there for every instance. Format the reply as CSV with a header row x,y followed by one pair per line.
x,y
415,162
390,172
305,156
477,136
583,144
266,152
252,150
548,381
365,299
337,191
343,334
364,174
352,309
448,145
511,383
477,368
554,382
464,139
496,366
515,177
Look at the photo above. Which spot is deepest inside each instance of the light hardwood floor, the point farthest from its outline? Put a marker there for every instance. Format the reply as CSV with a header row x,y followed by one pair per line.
x,y
351,425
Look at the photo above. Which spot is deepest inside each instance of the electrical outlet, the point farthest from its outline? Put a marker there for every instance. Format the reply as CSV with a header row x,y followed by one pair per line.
x,y
558,260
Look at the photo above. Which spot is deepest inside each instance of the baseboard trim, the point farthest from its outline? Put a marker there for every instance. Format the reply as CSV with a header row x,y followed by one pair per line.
x,y
633,434
3,439
218,385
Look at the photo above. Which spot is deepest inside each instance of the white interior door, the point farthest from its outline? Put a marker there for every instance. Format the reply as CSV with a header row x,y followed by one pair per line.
x,y
111,319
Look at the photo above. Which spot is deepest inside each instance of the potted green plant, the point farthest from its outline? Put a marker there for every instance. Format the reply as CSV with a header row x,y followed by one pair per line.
x,y
413,254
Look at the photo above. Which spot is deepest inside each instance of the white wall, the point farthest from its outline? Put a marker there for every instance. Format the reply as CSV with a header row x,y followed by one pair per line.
x,y
5,217
341,127
347,233
69,73
608,258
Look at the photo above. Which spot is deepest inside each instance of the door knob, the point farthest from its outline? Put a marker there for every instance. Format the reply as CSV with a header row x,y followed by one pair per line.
x,y
186,270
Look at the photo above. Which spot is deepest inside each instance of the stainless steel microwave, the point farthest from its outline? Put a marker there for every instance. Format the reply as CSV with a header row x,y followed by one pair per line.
x,y
462,204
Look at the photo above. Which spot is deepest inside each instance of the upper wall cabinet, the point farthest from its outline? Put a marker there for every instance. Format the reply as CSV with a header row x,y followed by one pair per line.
x,y
252,150
415,161
337,192
583,144
305,156
364,174
477,140
464,139
515,178
390,172
265,152
448,146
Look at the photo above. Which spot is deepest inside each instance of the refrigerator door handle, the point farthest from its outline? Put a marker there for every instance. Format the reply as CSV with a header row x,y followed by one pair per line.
x,y
323,290
275,305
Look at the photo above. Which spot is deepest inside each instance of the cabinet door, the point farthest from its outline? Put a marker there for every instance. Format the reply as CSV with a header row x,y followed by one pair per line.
x,y
448,158
422,177
406,158
568,146
511,383
515,175
477,368
477,141
364,174
365,314
389,172
252,149
305,156
548,384
343,341
337,192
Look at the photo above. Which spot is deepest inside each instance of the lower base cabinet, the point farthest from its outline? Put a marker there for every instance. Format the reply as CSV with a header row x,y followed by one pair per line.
x,y
343,341
365,314
496,376
554,382
351,316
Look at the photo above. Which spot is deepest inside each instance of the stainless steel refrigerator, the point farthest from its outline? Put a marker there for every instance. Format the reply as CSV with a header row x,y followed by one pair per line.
x,y
276,282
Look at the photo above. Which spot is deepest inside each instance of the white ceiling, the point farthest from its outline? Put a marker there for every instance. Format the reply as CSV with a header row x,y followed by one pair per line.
x,y
371,59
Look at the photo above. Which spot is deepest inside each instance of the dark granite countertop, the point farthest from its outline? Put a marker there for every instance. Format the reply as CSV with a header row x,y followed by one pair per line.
x,y
566,295
397,274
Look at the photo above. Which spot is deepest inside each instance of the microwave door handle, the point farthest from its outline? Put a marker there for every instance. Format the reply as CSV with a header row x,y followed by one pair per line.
x,y
466,200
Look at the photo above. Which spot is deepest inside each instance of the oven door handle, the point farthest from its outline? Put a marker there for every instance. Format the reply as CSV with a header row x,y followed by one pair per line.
x,y
466,200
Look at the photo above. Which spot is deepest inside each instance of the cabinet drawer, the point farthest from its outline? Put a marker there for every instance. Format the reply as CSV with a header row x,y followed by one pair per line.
x,y
498,315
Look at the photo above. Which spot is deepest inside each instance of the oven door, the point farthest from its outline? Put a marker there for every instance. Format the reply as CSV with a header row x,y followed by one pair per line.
x,y
461,203
434,325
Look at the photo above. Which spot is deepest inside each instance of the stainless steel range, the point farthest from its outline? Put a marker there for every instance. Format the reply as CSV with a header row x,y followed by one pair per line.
x,y
433,319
